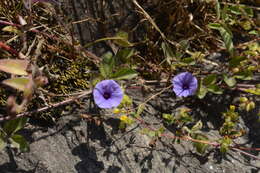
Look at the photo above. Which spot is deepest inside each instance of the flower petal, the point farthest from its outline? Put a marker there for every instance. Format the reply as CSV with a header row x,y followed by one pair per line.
x,y
184,79
111,87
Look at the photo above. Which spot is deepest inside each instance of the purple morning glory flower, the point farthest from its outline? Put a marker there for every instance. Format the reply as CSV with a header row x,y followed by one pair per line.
x,y
184,84
107,94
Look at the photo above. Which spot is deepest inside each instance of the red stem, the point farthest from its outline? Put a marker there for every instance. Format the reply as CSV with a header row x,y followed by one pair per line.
x,y
8,48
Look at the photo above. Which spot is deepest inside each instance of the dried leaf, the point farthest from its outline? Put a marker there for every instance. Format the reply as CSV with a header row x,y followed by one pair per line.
x,y
17,67
17,83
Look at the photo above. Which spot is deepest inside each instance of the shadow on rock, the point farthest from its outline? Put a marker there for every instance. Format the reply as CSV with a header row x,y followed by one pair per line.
x,y
11,166
89,162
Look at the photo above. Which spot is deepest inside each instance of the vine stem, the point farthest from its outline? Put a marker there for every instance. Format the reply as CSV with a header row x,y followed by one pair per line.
x,y
67,101
8,48
215,144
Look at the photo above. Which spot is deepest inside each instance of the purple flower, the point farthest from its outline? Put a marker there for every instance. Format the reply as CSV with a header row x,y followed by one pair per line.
x,y
107,94
184,84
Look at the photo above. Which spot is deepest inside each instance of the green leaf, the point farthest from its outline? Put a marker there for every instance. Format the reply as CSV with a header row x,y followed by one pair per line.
x,y
235,61
202,91
107,65
197,126
168,52
244,75
189,61
19,142
215,26
224,144
12,126
255,91
17,67
210,79
214,89
140,109
122,39
230,81
168,118
250,106
200,147
226,35
126,102
124,54
235,9
125,73
227,38
184,44
19,83
246,25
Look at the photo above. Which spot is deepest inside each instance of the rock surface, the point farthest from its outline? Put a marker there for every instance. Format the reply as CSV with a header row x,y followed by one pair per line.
x,y
80,146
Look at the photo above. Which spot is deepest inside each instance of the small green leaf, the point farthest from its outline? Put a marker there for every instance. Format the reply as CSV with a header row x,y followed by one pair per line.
x,y
210,79
189,61
254,32
17,67
227,38
226,35
235,61
197,126
200,147
122,39
19,83
255,91
19,142
124,54
12,126
168,52
244,75
224,144
107,65
246,25
140,109
125,73
235,9
214,89
169,119
230,81
216,26
184,44
126,102
250,106
202,91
